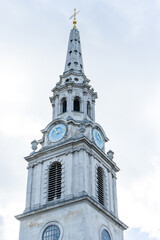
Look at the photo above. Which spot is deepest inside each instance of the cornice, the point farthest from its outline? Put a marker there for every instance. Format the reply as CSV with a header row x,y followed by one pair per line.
x,y
88,146
62,203
72,84
71,72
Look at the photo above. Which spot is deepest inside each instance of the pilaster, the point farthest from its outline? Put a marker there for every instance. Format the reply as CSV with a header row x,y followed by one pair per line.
x,y
93,177
115,196
56,105
93,111
37,190
69,100
29,188
85,171
69,175
53,110
85,103
110,191
75,173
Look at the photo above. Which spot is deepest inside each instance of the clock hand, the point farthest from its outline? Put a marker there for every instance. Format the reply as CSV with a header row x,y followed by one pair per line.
x,y
60,130
55,130
98,137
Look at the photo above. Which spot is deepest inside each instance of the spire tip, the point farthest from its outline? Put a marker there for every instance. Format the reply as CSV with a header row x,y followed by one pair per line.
x,y
74,18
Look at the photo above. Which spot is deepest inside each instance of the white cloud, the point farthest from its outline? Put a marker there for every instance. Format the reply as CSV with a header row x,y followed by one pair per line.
x,y
140,16
10,224
124,76
140,203
158,2
1,220
153,111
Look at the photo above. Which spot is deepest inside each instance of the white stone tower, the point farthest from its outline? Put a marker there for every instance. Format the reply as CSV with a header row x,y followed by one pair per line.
x,y
71,189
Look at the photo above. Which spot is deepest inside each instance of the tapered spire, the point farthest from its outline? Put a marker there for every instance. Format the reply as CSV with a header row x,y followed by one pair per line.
x,y
74,62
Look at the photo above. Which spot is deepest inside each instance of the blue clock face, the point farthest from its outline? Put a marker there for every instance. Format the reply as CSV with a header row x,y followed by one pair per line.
x,y
105,235
57,133
98,138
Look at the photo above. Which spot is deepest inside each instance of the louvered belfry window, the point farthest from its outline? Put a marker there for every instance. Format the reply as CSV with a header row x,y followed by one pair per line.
x,y
100,185
55,181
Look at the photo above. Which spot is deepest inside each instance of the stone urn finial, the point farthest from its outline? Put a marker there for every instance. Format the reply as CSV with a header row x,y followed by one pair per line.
x,y
34,144
110,154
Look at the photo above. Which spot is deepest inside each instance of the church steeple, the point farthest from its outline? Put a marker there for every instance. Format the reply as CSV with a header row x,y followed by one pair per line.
x,y
74,62
71,188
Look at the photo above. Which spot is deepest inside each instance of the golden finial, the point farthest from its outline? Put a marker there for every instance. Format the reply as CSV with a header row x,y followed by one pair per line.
x,y
74,18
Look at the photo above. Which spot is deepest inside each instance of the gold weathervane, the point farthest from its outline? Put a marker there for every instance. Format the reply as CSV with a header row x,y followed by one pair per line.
x,y
74,18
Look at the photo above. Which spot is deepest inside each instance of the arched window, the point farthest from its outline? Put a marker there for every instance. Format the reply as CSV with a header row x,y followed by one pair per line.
x,y
54,181
100,185
105,235
64,105
76,104
89,109
52,232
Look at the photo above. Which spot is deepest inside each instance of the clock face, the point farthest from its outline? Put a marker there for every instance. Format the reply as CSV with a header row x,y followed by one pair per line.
x,y
57,133
98,138
105,235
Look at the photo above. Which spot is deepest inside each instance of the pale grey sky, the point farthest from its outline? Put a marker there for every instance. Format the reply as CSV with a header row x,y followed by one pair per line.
x,y
121,55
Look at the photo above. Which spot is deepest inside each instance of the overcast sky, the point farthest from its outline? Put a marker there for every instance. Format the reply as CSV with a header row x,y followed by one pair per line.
x,y
121,55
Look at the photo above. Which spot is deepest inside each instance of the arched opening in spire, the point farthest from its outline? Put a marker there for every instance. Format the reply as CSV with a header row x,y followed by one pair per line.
x,y
75,64
89,109
76,104
69,64
64,105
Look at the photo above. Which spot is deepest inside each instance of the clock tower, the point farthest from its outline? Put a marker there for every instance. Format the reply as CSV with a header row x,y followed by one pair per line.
x,y
71,188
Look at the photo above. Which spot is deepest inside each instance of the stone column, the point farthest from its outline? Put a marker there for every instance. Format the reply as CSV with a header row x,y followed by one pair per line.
x,y
115,195
69,106
110,192
53,110
69,175
93,177
56,105
80,167
93,110
38,178
75,174
85,171
85,103
29,189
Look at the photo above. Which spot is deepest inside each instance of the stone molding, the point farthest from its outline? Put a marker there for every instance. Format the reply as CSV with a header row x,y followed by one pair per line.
x,y
89,147
91,201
